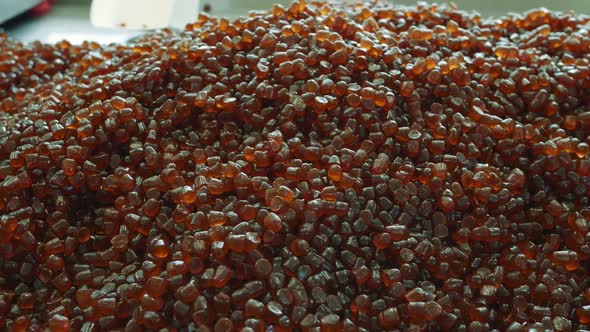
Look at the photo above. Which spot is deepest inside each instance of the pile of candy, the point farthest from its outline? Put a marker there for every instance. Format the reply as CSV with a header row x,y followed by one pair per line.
x,y
316,167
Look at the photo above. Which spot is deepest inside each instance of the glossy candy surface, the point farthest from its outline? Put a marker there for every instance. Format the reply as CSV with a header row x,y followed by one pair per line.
x,y
307,168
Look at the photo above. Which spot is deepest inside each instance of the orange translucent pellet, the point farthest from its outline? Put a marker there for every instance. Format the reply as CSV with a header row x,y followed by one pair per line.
x,y
159,248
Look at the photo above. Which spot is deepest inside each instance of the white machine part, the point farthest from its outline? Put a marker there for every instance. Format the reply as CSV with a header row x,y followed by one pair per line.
x,y
12,8
143,14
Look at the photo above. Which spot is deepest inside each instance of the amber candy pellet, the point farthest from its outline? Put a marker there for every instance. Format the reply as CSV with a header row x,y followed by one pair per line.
x,y
26,301
59,323
335,173
215,186
407,88
262,268
69,166
299,247
273,222
583,314
159,248
188,195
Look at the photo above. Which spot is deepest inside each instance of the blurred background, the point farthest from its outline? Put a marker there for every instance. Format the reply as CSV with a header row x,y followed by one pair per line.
x,y
54,20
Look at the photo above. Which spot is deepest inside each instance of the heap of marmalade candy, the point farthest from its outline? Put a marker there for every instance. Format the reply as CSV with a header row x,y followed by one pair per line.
x,y
313,167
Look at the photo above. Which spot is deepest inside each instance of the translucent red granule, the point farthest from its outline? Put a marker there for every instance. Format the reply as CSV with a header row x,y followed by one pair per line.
x,y
310,168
